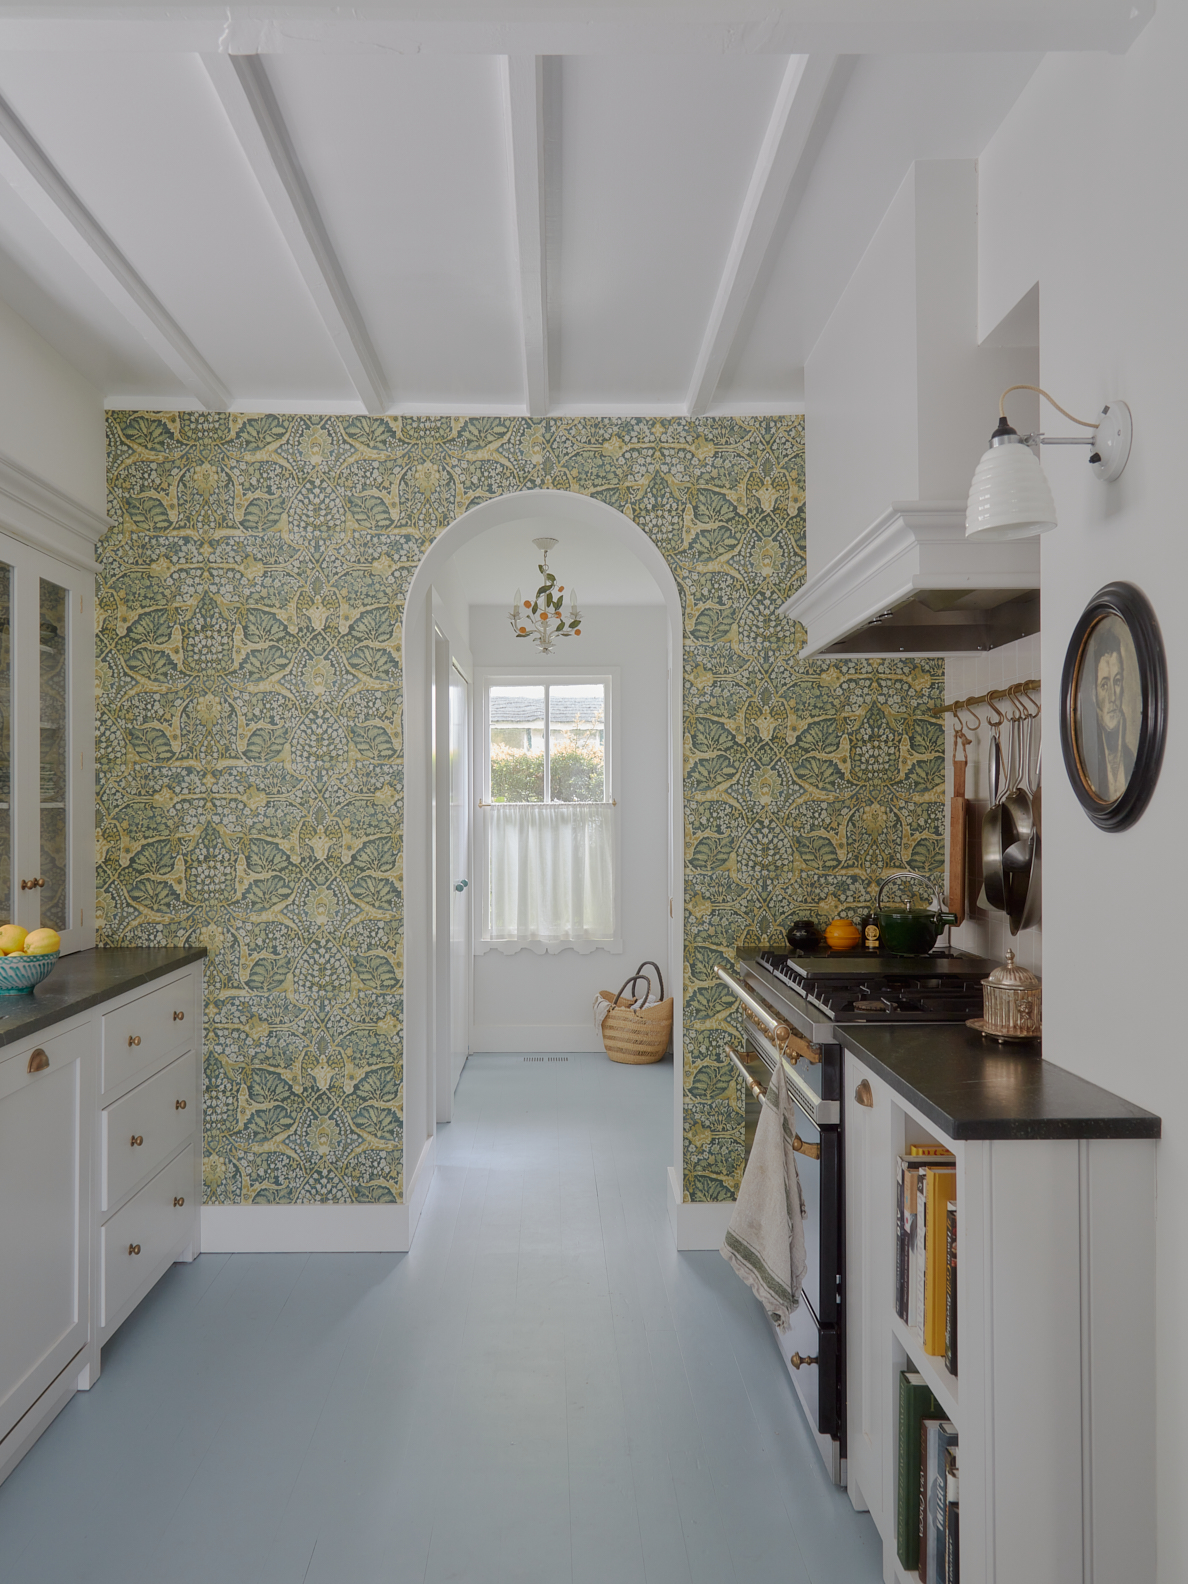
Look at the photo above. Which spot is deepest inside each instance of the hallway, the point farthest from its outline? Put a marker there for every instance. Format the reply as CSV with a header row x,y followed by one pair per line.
x,y
542,1391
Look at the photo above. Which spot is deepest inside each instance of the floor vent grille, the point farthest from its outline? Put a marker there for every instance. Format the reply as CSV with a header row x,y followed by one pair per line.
x,y
534,1058
558,1058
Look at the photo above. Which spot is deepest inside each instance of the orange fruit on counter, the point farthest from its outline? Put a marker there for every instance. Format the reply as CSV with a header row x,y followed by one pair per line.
x,y
12,938
42,941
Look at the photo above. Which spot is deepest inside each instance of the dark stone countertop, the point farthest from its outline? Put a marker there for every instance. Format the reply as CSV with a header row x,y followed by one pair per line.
x,y
973,1088
83,979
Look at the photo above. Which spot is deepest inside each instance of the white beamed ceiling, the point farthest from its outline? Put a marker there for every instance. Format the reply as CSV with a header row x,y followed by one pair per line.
x,y
678,247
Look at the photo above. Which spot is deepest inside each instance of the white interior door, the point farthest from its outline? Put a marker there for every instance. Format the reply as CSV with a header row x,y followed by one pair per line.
x,y
460,891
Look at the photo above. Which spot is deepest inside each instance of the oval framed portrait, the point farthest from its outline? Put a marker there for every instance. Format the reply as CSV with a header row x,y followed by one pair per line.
x,y
1113,706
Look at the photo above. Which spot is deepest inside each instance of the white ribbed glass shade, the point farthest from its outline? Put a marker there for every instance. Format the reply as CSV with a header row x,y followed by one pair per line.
x,y
1009,497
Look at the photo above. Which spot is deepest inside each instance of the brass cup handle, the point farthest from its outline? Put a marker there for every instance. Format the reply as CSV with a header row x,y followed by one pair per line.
x,y
179,1105
809,1151
133,1248
38,1061
178,1202
179,1017
798,1359
137,1138
864,1094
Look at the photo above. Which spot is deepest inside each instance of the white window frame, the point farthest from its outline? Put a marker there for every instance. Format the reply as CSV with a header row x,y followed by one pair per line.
x,y
487,677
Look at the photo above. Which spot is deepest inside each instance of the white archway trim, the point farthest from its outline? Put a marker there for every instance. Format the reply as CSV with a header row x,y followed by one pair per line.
x,y
559,508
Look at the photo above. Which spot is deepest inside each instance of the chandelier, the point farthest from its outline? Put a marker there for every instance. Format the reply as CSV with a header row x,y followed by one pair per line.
x,y
542,619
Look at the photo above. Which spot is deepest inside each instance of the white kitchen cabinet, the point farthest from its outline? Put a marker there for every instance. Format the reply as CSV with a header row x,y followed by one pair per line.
x,y
46,1112
100,1172
1055,1397
47,736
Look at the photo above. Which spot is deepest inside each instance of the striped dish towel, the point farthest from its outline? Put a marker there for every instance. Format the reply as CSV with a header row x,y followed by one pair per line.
x,y
765,1239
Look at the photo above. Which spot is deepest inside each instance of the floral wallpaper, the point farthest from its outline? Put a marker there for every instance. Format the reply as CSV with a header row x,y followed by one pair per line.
x,y
250,756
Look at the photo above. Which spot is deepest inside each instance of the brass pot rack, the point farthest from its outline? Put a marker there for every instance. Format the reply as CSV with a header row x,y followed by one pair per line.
x,y
1017,690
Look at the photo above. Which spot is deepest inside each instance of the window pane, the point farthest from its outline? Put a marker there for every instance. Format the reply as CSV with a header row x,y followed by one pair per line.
x,y
53,755
517,744
5,744
577,732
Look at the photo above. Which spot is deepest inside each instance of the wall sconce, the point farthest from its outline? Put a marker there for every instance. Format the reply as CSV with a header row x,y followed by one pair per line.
x,y
1010,497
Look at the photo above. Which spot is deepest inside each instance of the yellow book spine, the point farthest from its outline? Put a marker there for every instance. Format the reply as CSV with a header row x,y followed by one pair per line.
x,y
942,1186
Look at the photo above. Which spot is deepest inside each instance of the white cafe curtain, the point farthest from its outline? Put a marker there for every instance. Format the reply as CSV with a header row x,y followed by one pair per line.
x,y
551,877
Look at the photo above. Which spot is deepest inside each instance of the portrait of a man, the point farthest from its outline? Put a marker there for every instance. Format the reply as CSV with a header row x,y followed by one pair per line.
x,y
1108,708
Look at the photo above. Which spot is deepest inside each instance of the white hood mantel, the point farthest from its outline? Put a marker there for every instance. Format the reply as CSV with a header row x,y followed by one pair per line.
x,y
912,583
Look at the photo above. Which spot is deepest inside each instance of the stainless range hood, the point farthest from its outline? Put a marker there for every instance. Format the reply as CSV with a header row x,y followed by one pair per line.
x,y
913,584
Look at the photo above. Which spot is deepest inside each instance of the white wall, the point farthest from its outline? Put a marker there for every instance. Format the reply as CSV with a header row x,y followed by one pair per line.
x,y
51,419
899,397
1082,190
542,1003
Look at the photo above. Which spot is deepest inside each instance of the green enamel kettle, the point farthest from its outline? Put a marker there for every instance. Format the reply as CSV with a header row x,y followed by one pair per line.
x,y
911,931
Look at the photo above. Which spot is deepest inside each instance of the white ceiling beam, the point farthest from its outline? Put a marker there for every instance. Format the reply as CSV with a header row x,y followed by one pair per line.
x,y
247,97
801,95
523,99
32,176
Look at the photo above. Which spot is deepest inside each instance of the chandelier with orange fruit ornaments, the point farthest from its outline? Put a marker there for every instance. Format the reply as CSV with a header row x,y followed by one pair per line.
x,y
542,618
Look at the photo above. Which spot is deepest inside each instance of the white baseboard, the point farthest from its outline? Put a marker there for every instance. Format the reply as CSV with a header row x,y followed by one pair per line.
x,y
500,1038
320,1229
695,1226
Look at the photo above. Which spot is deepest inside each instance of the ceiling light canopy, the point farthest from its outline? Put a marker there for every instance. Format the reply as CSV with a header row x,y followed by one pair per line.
x,y
1010,497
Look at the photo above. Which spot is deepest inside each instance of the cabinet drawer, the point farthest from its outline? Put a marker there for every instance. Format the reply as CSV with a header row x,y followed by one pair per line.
x,y
151,1226
139,1036
146,1126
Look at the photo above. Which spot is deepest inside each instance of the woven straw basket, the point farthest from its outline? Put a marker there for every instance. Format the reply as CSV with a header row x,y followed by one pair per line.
x,y
635,1034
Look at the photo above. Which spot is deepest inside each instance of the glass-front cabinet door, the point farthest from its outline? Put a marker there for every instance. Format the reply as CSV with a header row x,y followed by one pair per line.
x,y
47,806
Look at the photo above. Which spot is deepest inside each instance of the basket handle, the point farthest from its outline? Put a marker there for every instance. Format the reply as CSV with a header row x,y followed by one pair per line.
x,y
659,976
630,984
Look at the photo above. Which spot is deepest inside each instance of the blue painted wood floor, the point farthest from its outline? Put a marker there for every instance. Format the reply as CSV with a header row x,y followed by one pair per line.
x,y
543,1391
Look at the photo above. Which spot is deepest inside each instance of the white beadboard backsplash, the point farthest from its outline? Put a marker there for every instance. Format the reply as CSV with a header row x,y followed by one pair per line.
x,y
986,931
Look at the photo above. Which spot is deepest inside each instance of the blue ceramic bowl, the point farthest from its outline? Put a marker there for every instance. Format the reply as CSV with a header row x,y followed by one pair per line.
x,y
22,973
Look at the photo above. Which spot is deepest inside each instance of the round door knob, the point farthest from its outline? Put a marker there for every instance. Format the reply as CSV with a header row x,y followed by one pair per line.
x,y
798,1359
179,1017
178,1202
133,1039
38,1061
462,884
137,1138
179,1105
133,1248
41,882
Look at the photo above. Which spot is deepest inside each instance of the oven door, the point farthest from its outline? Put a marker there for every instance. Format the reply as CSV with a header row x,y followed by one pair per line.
x,y
813,1360
820,1183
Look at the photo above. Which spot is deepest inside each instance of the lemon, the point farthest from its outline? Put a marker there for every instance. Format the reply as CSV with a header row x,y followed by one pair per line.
x,y
12,938
41,941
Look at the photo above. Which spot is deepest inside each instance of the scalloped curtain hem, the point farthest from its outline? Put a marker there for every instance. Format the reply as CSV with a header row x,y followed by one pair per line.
x,y
541,947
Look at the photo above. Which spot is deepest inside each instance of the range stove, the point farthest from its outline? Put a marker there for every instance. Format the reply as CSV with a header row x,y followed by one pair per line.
x,y
810,995
942,987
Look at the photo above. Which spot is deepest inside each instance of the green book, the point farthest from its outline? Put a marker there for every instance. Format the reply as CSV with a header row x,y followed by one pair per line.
x,y
916,1403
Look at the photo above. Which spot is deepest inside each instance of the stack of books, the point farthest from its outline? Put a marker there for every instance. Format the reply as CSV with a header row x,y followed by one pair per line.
x,y
928,1491
926,1249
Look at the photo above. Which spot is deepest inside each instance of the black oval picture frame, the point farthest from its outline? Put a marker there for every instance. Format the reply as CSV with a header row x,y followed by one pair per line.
x,y
1113,706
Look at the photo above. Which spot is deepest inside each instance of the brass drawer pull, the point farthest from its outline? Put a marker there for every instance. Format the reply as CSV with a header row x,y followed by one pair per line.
x,y
179,1105
133,1248
137,1138
32,885
809,1151
863,1094
38,1061
178,1202
179,1017
798,1359
133,1039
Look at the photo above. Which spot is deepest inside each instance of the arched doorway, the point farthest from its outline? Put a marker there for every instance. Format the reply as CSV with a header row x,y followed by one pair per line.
x,y
560,507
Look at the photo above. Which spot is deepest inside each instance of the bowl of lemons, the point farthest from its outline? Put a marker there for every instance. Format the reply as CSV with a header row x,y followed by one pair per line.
x,y
26,958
